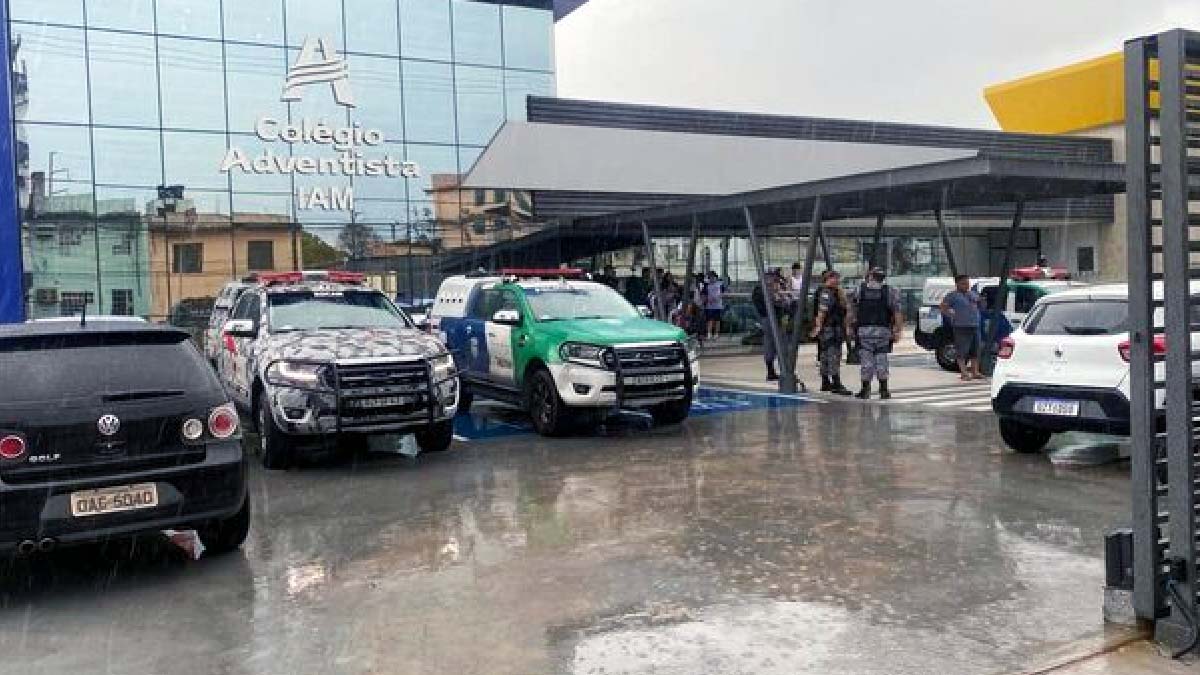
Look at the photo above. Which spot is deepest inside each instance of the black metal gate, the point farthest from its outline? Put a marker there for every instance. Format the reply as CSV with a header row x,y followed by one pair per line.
x,y
1162,99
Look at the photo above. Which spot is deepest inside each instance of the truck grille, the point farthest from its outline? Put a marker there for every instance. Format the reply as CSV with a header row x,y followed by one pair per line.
x,y
650,374
376,396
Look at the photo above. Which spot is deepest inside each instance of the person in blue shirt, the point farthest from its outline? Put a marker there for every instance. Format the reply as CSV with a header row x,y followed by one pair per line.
x,y
962,307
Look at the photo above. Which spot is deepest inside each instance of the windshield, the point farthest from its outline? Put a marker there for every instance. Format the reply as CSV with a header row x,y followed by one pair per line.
x,y
590,302
340,309
1095,317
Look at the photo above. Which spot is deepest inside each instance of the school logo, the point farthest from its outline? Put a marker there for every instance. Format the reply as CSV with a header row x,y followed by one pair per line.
x,y
319,63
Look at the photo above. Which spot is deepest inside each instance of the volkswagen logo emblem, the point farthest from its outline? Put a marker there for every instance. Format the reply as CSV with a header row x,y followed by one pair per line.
x,y
1058,352
108,425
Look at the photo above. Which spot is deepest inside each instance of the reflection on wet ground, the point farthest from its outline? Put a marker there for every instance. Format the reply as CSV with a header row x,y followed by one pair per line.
x,y
811,539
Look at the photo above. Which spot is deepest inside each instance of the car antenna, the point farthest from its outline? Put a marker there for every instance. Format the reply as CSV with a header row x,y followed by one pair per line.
x,y
83,317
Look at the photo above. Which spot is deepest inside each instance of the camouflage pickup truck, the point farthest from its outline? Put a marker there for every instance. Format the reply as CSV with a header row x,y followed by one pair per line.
x,y
312,360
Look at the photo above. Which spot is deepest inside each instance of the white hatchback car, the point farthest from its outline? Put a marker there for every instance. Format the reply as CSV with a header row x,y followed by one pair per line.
x,y
1067,367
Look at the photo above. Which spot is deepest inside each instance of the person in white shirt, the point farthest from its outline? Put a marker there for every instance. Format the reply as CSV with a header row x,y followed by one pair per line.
x,y
797,277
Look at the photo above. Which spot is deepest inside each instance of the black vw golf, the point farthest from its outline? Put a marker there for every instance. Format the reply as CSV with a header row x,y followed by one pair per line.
x,y
111,428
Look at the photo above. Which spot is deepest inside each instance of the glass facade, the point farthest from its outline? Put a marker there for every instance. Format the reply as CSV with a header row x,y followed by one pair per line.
x,y
293,126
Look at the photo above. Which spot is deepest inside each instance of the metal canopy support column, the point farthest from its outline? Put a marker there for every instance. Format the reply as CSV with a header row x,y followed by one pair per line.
x,y
659,313
876,240
987,352
825,252
787,378
688,281
801,305
945,233
1144,483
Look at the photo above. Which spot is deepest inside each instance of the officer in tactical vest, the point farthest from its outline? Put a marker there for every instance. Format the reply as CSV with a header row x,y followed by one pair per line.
x,y
877,322
829,330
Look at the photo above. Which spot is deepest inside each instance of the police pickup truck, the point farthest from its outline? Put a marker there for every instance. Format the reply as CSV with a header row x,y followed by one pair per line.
x,y
314,358
562,348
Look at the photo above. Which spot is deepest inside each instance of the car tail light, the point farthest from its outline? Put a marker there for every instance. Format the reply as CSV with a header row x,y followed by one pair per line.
x,y
1006,348
12,447
1159,345
222,421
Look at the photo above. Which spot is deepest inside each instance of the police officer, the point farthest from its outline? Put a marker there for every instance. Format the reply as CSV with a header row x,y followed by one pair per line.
x,y
760,297
829,330
877,322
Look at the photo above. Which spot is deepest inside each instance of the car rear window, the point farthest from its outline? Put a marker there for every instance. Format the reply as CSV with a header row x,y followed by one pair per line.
x,y
55,367
1092,317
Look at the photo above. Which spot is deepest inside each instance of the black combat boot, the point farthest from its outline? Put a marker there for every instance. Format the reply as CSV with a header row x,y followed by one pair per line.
x,y
826,384
883,390
837,387
865,392
771,374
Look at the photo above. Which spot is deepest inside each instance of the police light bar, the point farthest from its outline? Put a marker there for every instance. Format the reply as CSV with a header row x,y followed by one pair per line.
x,y
543,273
343,277
274,278
1035,273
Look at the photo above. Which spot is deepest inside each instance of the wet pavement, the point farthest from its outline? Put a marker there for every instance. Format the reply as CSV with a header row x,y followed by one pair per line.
x,y
816,537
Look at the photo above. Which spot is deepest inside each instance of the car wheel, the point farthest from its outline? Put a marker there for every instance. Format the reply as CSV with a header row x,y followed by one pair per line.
x,y
672,412
436,438
1023,438
545,407
225,536
274,446
945,356
465,398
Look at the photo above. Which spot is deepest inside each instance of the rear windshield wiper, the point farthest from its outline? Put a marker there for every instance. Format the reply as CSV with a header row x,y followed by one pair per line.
x,y
140,394
1085,330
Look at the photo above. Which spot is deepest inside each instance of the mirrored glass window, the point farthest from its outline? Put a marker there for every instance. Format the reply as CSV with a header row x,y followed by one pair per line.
x,y
68,12
519,84
314,18
121,14
258,21
428,102
435,221
196,18
194,159
377,93
255,77
277,205
476,33
63,150
371,27
52,60
383,186
388,216
210,203
252,149
193,86
127,156
323,222
124,79
125,201
467,157
320,181
480,103
425,29
435,161
317,101
528,38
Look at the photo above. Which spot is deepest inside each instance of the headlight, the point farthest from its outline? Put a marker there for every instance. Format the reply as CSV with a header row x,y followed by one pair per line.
x,y
693,349
442,366
588,355
288,373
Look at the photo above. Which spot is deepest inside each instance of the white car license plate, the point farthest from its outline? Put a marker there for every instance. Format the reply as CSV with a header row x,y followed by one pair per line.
x,y
114,499
653,379
380,402
1054,406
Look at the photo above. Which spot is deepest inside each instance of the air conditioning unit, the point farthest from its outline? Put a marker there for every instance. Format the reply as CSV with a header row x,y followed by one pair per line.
x,y
46,296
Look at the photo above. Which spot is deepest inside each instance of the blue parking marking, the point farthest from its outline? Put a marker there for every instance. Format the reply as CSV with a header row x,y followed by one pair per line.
x,y
490,422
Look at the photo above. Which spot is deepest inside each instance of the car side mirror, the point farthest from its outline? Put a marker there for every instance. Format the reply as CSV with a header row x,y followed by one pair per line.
x,y
507,317
243,328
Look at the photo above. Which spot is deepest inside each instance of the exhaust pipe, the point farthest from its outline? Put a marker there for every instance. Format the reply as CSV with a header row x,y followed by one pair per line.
x,y
26,547
46,545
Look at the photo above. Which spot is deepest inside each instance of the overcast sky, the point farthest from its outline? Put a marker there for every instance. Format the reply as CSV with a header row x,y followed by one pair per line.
x,y
924,61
